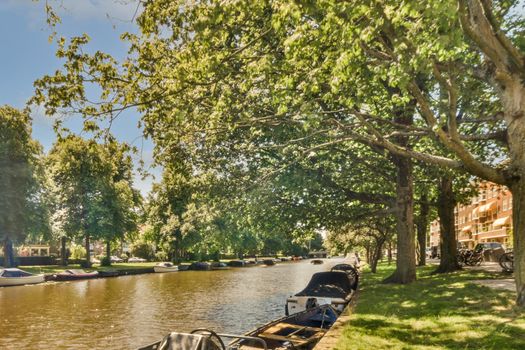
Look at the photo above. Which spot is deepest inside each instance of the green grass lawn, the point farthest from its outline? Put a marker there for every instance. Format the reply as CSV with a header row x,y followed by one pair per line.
x,y
436,312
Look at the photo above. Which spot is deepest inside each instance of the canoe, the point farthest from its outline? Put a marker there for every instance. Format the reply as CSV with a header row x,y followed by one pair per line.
x,y
17,277
317,262
74,274
165,267
331,288
300,331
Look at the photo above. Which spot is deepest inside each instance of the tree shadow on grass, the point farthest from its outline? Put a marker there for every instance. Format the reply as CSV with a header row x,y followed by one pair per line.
x,y
437,311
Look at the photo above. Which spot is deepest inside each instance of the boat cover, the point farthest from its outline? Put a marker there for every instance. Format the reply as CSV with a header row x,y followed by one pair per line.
x,y
185,341
14,273
327,284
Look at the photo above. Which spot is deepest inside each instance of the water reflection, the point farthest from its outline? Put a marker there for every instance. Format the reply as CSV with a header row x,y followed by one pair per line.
x,y
128,311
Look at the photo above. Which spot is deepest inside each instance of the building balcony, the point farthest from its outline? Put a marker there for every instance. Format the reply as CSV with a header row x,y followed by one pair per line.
x,y
497,233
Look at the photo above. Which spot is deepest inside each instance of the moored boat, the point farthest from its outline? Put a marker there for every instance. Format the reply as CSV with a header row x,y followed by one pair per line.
x,y
317,262
165,267
17,277
351,271
200,266
74,274
300,331
237,263
332,288
219,266
268,262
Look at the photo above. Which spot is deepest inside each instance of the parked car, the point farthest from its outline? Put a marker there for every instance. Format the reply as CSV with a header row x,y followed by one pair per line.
x,y
115,259
135,259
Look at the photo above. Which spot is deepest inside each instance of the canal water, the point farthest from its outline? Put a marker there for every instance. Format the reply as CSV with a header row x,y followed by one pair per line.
x,y
129,311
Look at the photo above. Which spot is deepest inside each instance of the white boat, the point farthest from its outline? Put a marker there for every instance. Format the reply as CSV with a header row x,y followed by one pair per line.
x,y
17,277
165,267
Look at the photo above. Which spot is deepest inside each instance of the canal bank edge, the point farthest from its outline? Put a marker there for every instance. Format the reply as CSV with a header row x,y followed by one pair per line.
x,y
331,338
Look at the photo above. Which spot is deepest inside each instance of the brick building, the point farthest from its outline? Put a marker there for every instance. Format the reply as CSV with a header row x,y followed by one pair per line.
x,y
487,218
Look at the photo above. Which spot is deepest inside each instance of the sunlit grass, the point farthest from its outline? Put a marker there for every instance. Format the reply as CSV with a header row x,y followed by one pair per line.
x,y
436,312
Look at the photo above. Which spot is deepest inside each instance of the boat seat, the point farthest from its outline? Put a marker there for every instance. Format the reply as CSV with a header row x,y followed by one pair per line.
x,y
287,332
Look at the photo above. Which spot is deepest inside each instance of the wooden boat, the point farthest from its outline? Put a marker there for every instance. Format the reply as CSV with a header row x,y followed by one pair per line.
x,y
165,267
74,274
317,262
17,277
331,288
300,331
219,266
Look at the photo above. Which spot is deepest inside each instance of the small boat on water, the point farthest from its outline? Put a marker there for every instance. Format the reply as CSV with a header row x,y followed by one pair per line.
x,y
351,271
184,267
331,288
200,266
300,331
74,274
269,262
317,262
219,266
165,267
237,263
17,277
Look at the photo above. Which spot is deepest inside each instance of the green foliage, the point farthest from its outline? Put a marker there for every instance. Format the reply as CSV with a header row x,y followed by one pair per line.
x,y
93,190
142,249
77,251
24,206
105,261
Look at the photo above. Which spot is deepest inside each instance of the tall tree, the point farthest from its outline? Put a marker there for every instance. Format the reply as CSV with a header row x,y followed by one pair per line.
x,y
23,199
86,198
203,73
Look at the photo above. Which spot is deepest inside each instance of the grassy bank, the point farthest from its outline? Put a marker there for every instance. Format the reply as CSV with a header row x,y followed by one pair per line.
x,y
436,312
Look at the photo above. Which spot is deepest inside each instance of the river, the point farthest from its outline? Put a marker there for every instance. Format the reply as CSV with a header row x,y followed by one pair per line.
x,y
129,311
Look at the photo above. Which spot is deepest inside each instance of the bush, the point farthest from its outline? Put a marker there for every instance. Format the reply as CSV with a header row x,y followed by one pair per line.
x,y
77,251
105,261
161,256
124,257
84,264
142,250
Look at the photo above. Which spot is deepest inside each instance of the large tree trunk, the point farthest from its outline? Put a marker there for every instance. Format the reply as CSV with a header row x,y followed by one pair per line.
x,y
88,253
447,240
108,251
9,256
422,227
63,252
406,251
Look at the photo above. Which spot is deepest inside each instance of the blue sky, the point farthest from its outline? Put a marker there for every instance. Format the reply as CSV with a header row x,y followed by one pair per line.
x,y
26,55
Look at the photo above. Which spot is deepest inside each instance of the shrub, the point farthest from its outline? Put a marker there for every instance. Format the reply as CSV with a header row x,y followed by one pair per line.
x,y
124,257
105,261
142,250
161,256
77,251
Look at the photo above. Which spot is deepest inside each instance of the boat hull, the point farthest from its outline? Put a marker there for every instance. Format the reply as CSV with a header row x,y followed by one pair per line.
x,y
70,277
163,269
20,281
